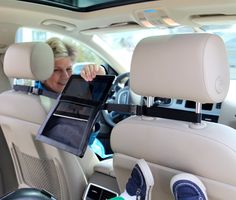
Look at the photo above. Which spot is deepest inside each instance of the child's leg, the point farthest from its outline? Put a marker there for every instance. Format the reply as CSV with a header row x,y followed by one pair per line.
x,y
140,183
187,187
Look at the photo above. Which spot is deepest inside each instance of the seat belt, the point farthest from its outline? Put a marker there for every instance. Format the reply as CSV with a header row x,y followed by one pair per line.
x,y
36,91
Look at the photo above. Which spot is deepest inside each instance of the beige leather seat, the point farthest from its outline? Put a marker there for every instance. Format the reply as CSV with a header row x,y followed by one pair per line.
x,y
191,67
4,81
21,114
7,175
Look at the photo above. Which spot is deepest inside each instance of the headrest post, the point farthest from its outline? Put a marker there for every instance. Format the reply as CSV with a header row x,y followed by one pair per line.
x,y
32,83
198,107
198,110
15,81
150,101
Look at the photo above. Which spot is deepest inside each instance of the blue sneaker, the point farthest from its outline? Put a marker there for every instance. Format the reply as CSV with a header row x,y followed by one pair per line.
x,y
187,187
140,182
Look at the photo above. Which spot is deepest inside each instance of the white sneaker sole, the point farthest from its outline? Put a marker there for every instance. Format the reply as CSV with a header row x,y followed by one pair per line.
x,y
189,177
148,177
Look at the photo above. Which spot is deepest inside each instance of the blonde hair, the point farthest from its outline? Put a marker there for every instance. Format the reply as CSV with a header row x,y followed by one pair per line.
x,y
61,48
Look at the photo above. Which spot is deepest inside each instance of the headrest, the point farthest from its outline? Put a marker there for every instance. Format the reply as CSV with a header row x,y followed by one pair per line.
x,y
186,66
30,60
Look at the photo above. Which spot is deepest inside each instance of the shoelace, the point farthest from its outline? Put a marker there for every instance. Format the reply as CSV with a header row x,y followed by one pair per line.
x,y
138,196
138,192
141,175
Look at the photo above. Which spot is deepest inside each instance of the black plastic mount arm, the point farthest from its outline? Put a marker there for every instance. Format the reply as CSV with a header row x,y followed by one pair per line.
x,y
155,111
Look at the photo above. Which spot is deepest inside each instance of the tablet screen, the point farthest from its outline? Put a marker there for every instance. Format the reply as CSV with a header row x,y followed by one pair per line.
x,y
95,90
73,110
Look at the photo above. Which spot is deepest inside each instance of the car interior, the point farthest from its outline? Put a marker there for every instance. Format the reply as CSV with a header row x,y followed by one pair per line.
x,y
174,59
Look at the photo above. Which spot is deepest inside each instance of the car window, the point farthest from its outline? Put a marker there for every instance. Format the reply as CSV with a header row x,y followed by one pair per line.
x,y
121,44
85,53
85,56
228,34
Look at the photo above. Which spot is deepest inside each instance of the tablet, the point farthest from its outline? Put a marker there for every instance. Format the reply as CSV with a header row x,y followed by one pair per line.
x,y
69,124
79,98
96,90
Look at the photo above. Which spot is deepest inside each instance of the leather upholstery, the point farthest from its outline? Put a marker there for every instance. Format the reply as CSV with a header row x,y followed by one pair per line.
x,y
36,164
30,60
191,67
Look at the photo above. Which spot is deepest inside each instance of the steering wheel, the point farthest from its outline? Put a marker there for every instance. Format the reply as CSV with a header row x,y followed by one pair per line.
x,y
122,95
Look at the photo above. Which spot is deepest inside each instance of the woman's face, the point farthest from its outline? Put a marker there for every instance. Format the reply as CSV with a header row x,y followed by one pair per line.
x,y
61,74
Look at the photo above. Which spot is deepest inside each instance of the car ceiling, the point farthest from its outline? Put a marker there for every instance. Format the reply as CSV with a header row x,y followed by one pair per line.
x,y
187,12
85,5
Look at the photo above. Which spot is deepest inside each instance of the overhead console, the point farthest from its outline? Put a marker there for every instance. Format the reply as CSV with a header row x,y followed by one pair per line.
x,y
198,13
154,17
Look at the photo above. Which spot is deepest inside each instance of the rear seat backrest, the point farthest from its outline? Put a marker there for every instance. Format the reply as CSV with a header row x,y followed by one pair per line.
x,y
4,81
36,164
190,67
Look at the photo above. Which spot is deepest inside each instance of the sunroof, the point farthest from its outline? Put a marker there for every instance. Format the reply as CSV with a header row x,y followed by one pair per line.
x,y
86,5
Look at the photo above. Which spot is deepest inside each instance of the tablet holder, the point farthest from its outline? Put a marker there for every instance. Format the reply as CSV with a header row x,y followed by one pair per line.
x,y
69,124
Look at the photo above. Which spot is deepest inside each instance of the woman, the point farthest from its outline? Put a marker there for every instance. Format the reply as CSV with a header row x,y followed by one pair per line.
x,y
64,58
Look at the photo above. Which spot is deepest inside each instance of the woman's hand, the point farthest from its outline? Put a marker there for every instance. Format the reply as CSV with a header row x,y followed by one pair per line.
x,y
90,71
